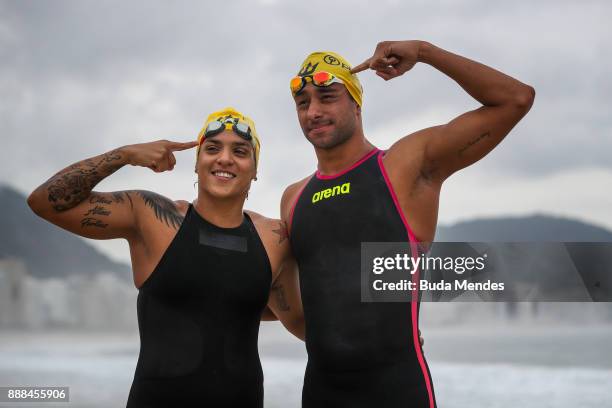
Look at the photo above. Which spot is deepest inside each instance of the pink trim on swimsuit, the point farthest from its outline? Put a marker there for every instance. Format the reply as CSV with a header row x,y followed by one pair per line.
x,y
294,204
415,278
333,176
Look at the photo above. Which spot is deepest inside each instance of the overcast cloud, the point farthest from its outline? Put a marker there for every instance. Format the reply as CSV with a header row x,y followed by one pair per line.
x,y
82,77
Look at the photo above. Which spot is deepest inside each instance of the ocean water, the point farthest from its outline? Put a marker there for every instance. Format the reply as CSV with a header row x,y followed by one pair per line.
x,y
471,367
459,385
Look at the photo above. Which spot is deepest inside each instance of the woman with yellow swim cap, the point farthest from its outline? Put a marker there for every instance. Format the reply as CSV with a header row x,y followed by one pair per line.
x,y
204,270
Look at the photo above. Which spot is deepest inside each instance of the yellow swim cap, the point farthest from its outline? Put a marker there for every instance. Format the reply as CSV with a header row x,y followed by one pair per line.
x,y
334,64
222,116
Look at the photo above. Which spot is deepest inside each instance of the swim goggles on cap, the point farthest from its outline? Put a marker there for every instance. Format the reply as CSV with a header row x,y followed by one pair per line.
x,y
242,129
321,78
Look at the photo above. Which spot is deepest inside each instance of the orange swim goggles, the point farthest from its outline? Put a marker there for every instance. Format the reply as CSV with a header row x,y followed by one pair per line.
x,y
321,78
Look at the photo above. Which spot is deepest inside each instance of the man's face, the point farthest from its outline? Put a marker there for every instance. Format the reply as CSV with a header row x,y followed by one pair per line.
x,y
328,115
226,165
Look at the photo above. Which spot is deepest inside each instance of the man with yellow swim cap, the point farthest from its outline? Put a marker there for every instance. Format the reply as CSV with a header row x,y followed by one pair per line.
x,y
368,354
204,270
324,68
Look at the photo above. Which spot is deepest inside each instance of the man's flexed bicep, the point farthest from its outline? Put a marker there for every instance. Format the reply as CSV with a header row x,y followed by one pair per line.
x,y
445,149
466,139
440,151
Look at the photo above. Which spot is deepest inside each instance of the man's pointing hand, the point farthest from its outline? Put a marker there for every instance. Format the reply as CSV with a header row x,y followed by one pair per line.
x,y
391,59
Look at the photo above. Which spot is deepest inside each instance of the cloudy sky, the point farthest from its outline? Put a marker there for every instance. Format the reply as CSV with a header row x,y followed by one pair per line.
x,y
79,78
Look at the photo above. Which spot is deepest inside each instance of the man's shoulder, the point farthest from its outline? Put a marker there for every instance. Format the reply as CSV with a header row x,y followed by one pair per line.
x,y
291,193
297,186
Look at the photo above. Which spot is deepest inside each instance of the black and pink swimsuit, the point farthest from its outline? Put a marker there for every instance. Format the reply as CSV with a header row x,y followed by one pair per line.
x,y
359,354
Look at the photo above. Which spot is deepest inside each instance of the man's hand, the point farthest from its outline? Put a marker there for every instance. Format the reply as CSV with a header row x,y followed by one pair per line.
x,y
157,156
391,59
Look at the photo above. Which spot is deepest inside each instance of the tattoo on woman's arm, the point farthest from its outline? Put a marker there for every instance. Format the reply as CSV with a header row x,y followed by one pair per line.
x,y
97,210
71,186
100,207
92,222
165,210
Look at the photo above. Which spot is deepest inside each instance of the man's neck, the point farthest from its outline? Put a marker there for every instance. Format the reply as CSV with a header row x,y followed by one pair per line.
x,y
224,213
341,157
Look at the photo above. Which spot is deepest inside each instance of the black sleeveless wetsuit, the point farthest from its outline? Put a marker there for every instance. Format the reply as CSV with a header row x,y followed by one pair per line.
x,y
359,354
198,316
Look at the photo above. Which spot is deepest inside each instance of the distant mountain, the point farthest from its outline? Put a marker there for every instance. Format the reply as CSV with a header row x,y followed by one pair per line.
x,y
47,250
523,229
50,251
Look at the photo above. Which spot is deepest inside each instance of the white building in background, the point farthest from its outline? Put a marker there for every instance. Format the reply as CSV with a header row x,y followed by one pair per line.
x,y
99,302
13,274
105,302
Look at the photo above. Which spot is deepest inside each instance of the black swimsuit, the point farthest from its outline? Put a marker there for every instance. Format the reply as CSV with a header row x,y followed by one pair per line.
x,y
359,354
198,317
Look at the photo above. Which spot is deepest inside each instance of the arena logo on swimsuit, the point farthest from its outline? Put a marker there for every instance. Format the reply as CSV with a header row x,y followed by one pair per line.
x,y
330,192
